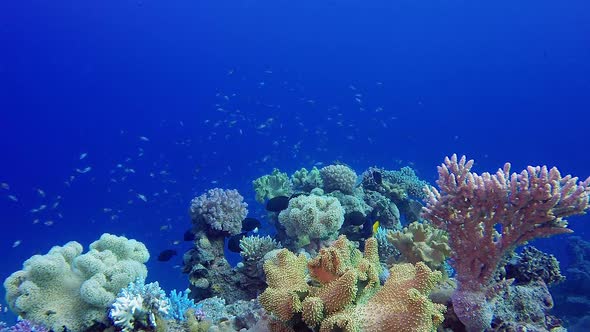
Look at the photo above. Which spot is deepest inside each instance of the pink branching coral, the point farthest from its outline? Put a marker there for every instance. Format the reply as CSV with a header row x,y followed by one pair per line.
x,y
488,215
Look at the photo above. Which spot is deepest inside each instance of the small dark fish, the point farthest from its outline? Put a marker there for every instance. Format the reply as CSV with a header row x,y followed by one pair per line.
x,y
377,177
277,204
166,255
249,224
189,235
367,230
355,218
233,244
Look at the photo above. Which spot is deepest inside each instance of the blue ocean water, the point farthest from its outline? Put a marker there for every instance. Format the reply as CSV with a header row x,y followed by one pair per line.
x,y
115,114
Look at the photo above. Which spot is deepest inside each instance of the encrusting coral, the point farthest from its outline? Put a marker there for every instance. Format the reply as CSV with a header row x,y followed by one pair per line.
x,y
344,292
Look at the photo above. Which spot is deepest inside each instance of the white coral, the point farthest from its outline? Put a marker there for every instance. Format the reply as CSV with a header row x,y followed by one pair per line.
x,y
126,309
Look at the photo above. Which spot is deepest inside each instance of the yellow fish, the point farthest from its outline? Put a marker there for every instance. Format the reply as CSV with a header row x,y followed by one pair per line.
x,y
375,227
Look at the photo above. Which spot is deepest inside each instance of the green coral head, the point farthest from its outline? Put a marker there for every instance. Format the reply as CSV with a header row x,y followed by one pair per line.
x,y
272,185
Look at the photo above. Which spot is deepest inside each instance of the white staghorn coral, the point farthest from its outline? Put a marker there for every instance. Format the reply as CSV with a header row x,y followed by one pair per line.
x,y
137,306
126,309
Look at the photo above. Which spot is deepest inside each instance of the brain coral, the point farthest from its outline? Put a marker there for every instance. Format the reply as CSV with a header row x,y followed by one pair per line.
x,y
312,217
65,288
338,177
221,209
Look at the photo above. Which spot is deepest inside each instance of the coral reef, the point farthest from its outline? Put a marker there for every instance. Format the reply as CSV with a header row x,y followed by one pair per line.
x,y
211,275
398,185
23,326
388,253
488,215
272,185
137,306
420,242
65,288
408,181
238,316
312,217
338,177
254,247
345,293
400,189
525,308
179,304
253,250
305,181
352,202
219,211
532,264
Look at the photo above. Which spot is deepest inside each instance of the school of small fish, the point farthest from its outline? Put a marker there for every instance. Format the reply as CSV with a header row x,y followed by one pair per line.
x,y
235,118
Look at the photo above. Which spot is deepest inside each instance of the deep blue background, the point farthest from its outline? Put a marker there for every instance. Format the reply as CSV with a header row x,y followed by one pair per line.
x,y
227,90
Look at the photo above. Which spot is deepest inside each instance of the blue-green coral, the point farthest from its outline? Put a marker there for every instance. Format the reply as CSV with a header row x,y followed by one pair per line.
x,y
338,177
272,185
407,180
304,180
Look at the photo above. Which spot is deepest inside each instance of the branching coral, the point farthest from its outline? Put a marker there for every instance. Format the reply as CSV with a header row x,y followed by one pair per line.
x,y
488,215
138,305
219,210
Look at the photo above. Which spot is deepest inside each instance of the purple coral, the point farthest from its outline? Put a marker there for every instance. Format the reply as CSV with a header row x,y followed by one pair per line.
x,y
221,209
488,215
23,326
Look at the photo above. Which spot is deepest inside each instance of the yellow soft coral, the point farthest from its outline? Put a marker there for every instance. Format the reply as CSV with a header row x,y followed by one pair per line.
x,y
346,294
402,304
286,279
